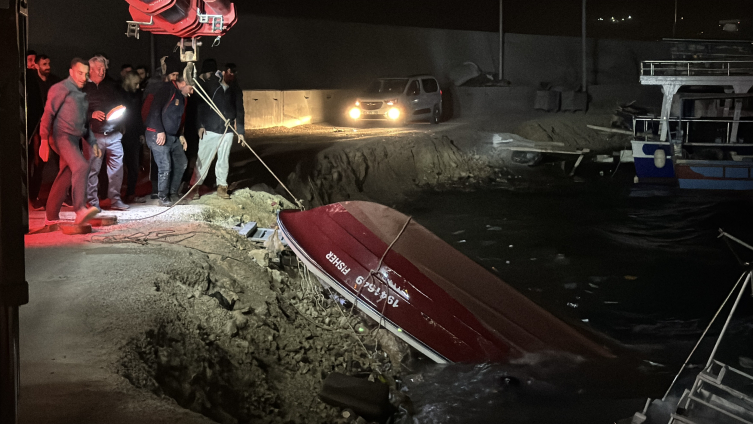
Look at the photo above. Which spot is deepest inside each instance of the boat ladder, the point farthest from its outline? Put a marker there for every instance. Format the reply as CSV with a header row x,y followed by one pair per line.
x,y
717,396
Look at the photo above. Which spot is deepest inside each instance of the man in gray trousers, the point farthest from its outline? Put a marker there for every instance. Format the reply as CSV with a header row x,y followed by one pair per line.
x,y
63,125
103,96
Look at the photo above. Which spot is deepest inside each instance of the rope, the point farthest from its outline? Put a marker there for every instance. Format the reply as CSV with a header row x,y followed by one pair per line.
x,y
243,141
204,96
198,183
373,272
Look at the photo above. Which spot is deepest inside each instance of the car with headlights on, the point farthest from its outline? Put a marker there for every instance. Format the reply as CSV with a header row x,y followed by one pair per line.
x,y
399,100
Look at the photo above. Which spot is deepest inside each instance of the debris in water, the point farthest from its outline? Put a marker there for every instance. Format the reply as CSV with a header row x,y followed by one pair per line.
x,y
585,320
610,302
593,285
561,259
533,259
458,232
507,262
570,286
572,305
746,362
631,277
510,246
461,241
494,228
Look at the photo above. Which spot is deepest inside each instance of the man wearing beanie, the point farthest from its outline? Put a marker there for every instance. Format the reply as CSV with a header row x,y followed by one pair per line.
x,y
164,132
214,136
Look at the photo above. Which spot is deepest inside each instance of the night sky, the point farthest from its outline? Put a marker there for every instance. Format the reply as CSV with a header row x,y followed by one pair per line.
x,y
644,19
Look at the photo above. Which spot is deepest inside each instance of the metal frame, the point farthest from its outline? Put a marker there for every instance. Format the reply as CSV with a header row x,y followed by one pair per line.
x,y
696,67
14,290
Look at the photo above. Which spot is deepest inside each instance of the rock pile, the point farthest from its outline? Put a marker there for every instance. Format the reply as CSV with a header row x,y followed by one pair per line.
x,y
261,354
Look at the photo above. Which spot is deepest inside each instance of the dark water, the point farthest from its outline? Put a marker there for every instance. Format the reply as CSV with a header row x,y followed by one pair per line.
x,y
642,265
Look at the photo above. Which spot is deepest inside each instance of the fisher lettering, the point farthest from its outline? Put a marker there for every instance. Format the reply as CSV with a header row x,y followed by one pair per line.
x,y
338,263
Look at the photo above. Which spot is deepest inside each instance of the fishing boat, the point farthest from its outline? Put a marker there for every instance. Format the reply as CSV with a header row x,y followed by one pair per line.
x,y
421,289
703,138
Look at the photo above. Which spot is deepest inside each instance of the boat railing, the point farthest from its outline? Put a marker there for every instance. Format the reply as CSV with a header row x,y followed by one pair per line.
x,y
647,127
696,68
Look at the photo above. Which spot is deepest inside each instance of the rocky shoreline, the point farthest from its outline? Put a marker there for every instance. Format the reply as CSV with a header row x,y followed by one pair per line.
x,y
241,336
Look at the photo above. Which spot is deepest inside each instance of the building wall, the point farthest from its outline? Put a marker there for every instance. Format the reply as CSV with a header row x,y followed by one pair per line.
x,y
289,55
283,53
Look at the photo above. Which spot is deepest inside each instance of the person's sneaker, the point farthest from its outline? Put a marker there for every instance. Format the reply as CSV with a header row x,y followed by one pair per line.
x,y
164,201
84,215
154,196
118,205
38,205
96,206
50,222
222,192
133,199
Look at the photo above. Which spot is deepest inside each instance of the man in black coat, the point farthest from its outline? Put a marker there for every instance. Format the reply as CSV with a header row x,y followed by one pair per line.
x,y
38,83
164,134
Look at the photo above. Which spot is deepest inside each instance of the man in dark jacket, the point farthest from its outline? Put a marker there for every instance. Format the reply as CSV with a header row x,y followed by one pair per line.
x,y
104,96
38,83
214,136
164,134
133,139
63,124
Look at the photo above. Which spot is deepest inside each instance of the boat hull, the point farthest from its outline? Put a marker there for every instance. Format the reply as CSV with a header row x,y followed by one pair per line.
x,y
452,311
714,175
644,156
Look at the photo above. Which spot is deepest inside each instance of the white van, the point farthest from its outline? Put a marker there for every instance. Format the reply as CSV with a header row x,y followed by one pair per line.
x,y
400,100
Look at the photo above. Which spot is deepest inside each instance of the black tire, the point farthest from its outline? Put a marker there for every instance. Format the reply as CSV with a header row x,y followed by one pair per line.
x,y
436,115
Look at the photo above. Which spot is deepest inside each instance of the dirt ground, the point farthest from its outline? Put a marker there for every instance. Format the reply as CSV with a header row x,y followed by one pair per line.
x,y
171,320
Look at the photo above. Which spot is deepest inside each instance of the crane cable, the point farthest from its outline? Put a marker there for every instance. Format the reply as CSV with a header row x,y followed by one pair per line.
x,y
205,97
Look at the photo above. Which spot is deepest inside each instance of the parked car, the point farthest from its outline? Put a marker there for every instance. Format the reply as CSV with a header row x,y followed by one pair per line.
x,y
400,100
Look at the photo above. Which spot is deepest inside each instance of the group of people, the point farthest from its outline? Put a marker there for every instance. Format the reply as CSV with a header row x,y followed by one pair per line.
x,y
89,119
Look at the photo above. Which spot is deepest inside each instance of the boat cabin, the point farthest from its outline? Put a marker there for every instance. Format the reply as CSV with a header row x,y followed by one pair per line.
x,y
703,138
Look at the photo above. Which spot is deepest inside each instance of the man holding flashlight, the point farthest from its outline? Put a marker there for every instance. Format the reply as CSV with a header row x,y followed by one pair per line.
x,y
106,132
62,126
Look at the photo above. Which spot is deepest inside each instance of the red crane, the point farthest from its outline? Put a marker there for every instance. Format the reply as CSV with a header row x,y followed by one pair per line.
x,y
187,19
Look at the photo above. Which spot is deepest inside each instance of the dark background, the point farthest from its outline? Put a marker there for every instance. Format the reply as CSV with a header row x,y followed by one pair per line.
x,y
65,29
651,20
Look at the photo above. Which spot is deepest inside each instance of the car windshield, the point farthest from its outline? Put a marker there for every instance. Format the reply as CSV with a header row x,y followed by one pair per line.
x,y
396,86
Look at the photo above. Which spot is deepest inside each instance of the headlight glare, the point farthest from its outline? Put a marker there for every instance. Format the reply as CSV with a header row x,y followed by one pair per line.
x,y
394,113
355,113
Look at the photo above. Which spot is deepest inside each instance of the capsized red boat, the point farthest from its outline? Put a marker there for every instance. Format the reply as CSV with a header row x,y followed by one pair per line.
x,y
421,289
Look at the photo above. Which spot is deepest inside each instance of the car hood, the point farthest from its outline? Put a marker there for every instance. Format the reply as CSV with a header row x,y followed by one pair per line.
x,y
368,97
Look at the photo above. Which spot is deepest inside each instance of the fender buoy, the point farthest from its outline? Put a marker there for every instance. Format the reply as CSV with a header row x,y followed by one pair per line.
x,y
660,158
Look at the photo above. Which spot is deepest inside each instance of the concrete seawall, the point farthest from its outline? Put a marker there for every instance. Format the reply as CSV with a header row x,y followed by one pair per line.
x,y
273,108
